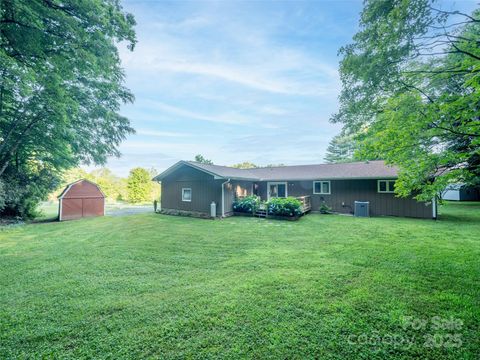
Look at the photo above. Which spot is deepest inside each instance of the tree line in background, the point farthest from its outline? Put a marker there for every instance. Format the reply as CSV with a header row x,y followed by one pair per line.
x,y
138,187
243,165
411,95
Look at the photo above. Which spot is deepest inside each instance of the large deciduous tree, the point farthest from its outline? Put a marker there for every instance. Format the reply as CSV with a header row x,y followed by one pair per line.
x,y
61,87
411,90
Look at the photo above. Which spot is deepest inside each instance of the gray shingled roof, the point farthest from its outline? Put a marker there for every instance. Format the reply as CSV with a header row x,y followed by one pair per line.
x,y
357,170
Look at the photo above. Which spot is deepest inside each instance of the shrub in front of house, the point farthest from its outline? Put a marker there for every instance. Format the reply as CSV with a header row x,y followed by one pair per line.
x,y
248,204
289,207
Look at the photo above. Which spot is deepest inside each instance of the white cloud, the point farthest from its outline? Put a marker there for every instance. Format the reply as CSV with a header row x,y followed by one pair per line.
x,y
269,69
231,81
227,118
162,133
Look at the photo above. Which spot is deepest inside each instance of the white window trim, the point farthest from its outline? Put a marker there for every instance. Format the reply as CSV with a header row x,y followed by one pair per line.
x,y
321,187
183,190
386,186
277,183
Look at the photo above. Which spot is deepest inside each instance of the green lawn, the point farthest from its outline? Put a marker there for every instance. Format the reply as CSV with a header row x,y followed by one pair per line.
x,y
49,209
155,286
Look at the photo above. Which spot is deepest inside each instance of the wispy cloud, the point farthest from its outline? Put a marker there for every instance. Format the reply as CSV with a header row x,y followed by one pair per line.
x,y
243,76
226,79
157,133
227,118
288,73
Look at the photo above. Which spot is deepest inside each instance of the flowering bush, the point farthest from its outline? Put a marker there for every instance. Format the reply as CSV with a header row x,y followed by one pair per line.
x,y
248,204
285,206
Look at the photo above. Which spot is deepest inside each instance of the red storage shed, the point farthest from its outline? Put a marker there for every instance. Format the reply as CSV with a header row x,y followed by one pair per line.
x,y
81,198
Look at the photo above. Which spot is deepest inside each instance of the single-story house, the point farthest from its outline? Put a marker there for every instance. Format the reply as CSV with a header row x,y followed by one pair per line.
x,y
189,186
461,192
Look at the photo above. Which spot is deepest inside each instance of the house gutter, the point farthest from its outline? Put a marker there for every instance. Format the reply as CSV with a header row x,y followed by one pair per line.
x,y
223,197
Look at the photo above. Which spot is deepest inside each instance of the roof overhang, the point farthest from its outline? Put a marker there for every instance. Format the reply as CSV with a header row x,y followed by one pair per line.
x,y
178,165
217,176
333,178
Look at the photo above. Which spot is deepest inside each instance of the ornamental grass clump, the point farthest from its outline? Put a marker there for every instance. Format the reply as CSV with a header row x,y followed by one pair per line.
x,y
248,204
289,206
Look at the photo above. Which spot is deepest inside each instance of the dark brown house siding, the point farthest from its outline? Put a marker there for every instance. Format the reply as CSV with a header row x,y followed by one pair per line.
x,y
205,189
344,193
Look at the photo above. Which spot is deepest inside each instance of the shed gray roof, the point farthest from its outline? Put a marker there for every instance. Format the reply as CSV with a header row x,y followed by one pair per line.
x,y
356,170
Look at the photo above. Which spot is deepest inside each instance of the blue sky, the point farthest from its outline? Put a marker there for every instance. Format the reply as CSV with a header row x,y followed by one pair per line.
x,y
234,81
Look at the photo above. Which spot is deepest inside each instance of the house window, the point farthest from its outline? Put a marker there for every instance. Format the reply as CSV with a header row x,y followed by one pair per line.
x,y
386,186
321,187
277,190
186,194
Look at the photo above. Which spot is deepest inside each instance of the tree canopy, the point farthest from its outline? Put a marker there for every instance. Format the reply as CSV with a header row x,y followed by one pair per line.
x,y
199,158
411,92
61,87
114,187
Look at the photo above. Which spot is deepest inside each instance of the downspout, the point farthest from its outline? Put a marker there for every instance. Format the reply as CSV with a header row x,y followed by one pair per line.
x,y
223,197
160,202
434,208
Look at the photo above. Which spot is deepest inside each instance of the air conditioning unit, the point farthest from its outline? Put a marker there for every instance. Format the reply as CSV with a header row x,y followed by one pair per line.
x,y
362,208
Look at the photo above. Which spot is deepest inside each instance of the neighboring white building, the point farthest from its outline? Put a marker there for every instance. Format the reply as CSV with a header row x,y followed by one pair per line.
x,y
461,192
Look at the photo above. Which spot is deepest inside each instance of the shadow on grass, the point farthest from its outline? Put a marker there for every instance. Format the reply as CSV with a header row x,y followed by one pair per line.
x,y
43,220
444,218
460,212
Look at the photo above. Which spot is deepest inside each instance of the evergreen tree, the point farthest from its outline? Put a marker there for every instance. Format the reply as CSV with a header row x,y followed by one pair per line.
x,y
200,159
341,149
139,185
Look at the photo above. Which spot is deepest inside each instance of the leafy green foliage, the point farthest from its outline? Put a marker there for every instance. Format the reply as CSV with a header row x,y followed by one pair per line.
x,y
61,88
411,93
22,192
139,185
114,187
199,158
245,165
289,206
325,209
248,204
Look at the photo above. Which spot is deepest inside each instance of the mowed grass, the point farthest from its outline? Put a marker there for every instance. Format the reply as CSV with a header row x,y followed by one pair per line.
x,y
48,210
155,286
